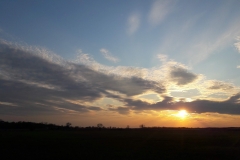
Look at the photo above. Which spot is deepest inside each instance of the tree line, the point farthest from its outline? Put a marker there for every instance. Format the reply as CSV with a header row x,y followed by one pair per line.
x,y
21,125
48,126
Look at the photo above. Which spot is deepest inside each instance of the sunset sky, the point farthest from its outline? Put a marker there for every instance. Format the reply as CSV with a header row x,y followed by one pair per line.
x,y
121,63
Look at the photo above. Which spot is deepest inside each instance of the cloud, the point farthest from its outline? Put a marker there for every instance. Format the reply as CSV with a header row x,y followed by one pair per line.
x,y
182,76
170,71
197,44
142,105
219,85
171,75
120,110
108,55
215,88
7,104
35,81
158,12
162,57
229,106
133,23
32,82
237,44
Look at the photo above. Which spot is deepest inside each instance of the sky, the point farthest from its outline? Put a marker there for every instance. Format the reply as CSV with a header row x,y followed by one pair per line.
x,y
165,63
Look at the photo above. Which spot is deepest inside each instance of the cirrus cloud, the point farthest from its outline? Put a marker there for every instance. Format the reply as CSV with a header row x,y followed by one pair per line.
x,y
108,55
133,23
237,44
158,12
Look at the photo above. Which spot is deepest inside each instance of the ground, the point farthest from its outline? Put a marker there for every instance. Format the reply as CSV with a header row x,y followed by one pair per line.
x,y
163,143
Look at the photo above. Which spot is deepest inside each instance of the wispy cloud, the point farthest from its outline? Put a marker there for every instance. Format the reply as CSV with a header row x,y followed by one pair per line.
x,y
211,87
159,10
7,104
108,55
133,23
219,85
162,57
237,44
200,35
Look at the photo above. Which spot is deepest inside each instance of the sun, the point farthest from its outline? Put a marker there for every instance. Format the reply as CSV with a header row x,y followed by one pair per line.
x,y
182,113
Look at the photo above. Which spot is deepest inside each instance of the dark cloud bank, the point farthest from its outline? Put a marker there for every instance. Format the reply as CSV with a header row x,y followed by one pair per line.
x,y
230,106
30,84
33,84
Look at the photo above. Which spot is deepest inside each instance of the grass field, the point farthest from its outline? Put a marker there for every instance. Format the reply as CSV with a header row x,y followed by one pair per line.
x,y
121,144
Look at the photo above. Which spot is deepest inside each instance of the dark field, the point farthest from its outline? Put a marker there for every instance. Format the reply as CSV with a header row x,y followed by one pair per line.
x,y
121,144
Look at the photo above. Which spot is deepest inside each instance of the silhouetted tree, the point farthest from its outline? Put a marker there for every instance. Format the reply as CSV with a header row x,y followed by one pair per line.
x,y
142,126
68,124
100,125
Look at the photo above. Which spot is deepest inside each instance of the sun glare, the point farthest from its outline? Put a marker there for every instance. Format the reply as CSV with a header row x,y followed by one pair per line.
x,y
182,113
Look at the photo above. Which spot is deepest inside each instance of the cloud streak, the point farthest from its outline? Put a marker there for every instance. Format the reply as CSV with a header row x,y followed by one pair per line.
x,y
158,12
108,55
237,44
198,36
133,23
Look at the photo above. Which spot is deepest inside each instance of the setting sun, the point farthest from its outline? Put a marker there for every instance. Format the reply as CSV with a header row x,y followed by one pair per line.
x,y
182,113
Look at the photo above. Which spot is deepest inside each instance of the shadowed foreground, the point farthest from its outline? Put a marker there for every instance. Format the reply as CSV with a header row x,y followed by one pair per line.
x,y
165,143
